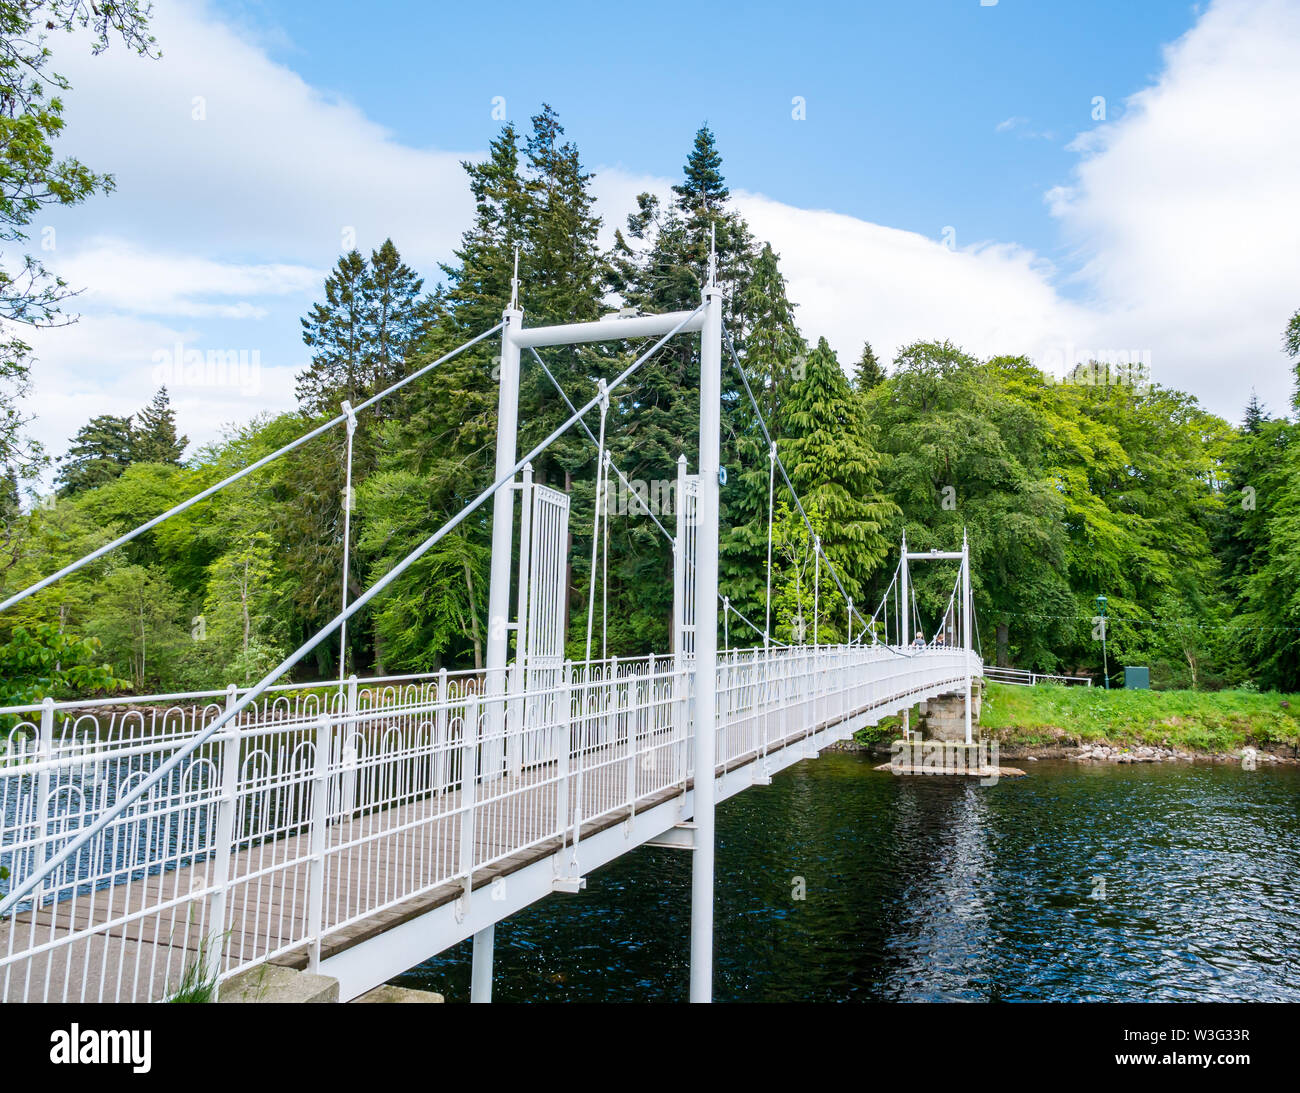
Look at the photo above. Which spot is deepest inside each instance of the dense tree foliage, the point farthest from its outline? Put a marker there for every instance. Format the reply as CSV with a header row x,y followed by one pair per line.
x,y
1100,484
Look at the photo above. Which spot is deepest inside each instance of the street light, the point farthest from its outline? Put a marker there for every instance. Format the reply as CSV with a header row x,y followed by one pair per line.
x,y
1105,665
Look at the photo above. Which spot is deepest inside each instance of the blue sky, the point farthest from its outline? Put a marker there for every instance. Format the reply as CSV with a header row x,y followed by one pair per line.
x,y
903,99
270,134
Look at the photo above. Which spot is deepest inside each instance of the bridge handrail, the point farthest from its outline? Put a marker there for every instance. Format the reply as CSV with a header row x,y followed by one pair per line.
x,y
1025,677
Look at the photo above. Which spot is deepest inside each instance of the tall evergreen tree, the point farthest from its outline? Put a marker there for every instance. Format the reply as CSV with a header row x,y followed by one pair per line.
x,y
437,457
335,331
395,318
153,437
101,450
826,446
562,275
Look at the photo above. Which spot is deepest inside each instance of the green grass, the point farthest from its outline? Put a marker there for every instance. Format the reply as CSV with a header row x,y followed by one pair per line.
x,y
1201,721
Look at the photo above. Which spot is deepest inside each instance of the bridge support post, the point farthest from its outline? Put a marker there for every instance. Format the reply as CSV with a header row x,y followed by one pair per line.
x,y
503,515
480,983
967,646
905,612
706,640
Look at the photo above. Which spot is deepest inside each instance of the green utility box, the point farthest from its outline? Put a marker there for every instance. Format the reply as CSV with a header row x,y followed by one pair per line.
x,y
1137,679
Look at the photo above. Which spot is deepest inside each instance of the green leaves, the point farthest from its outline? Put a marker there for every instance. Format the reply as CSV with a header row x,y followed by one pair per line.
x,y
44,661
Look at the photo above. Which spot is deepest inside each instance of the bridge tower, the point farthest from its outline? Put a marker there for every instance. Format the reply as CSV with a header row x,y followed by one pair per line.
x,y
706,636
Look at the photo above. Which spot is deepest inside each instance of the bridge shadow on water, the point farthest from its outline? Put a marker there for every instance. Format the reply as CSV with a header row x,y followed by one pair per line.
x,y
837,882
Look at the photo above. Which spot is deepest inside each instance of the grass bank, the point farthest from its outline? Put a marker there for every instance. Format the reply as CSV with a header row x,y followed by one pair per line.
x,y
1199,721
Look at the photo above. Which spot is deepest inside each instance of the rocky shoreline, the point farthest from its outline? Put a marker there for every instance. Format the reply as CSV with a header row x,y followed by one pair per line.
x,y
1105,753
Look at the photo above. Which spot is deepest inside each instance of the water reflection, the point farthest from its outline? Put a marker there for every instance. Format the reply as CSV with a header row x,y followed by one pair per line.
x,y
1088,883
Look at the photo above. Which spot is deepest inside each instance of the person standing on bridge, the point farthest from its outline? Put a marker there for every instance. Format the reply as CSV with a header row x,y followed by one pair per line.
x,y
918,642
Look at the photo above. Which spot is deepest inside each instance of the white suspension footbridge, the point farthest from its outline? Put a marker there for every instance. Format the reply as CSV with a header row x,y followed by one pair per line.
x,y
356,827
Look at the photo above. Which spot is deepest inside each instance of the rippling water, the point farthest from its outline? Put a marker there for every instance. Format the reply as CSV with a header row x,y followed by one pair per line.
x,y
1078,882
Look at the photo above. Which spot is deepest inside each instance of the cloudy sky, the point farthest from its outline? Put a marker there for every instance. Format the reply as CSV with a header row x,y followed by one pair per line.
x,y
1055,180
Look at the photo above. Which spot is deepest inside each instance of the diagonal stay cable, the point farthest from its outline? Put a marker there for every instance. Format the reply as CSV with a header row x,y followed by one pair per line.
x,y
85,560
146,785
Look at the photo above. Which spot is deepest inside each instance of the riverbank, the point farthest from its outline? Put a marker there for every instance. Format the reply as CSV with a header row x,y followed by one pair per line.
x,y
1054,722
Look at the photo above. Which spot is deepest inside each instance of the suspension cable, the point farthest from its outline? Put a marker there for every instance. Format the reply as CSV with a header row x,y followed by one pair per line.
x,y
771,495
203,495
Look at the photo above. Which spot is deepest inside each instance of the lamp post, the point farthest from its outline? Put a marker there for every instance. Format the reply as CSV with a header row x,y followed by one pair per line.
x,y
1105,664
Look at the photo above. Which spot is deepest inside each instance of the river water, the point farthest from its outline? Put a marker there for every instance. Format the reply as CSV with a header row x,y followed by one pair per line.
x,y
1076,883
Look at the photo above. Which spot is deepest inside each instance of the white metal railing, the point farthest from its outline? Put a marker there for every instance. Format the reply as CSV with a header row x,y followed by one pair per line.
x,y
320,806
1022,677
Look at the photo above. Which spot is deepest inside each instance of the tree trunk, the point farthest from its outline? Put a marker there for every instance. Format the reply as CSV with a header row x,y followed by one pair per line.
x,y
1004,646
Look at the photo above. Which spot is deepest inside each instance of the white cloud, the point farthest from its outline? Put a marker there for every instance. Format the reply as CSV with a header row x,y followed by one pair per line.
x,y
855,282
112,364
124,277
1184,211
274,168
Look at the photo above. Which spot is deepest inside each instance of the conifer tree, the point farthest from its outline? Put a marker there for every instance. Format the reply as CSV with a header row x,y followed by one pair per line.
x,y
99,452
774,353
868,373
153,437
440,454
825,445
335,332
394,318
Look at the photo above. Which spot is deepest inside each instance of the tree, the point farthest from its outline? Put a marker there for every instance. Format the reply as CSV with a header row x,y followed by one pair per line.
x,y
32,177
101,450
153,437
868,373
661,264
138,618
396,316
826,446
239,610
334,331
960,451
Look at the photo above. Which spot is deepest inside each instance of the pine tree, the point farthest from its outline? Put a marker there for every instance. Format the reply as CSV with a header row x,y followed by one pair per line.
x,y
99,452
153,437
659,265
562,276
1255,415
